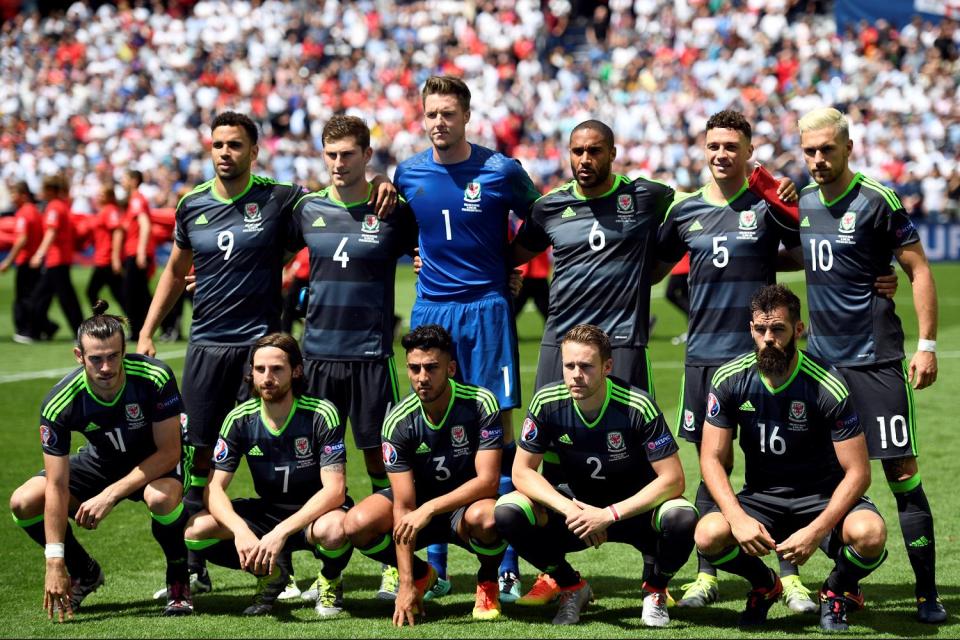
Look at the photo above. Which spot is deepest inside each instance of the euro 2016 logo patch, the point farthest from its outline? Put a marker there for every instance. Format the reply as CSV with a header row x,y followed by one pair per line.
x,y
221,451
458,435
625,203
798,410
472,192
529,433
47,437
302,446
713,406
389,453
370,224
848,222
748,220
615,441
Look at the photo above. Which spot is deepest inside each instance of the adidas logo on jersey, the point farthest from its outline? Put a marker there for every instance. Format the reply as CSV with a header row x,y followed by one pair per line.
x,y
805,222
696,226
202,219
255,451
319,222
91,427
568,213
565,439
747,406
423,448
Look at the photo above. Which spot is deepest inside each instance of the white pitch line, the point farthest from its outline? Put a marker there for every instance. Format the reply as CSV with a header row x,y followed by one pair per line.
x,y
174,355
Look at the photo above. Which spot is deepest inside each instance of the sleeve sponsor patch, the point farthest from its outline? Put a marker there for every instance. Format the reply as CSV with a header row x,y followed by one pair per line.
x,y
491,433
530,431
389,453
332,448
850,421
221,451
169,402
660,442
48,437
713,406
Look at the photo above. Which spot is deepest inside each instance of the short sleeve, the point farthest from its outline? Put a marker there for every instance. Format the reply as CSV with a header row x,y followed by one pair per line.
x,y
531,235
670,244
229,448
491,430
396,453
900,230
839,410
523,192
329,440
658,442
180,235
533,435
722,406
168,403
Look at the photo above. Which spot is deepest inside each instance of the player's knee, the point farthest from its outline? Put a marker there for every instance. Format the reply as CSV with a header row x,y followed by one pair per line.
x,y
513,513
866,532
712,534
162,496
678,518
200,526
27,500
328,530
360,526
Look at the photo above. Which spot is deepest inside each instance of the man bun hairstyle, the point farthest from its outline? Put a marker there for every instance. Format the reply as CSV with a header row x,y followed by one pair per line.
x,y
102,326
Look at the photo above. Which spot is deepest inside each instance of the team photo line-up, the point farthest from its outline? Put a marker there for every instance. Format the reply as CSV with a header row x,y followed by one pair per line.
x,y
595,461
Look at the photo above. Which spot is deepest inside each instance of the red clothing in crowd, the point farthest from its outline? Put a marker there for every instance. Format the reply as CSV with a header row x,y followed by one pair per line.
x,y
57,216
28,221
108,219
138,204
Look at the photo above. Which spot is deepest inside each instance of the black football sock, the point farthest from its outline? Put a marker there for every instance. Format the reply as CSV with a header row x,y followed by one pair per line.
x,y
739,563
335,560
850,568
676,522
704,502
787,568
916,523
168,532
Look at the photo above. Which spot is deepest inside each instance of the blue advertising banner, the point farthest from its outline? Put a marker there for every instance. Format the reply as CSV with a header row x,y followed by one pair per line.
x,y
896,12
940,241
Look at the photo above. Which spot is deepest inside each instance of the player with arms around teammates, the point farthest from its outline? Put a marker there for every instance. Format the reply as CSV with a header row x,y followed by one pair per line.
x,y
441,447
128,407
624,482
348,338
293,444
851,229
806,468
461,194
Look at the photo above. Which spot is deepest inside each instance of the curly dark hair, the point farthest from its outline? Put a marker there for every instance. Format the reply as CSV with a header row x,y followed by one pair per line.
x,y
729,119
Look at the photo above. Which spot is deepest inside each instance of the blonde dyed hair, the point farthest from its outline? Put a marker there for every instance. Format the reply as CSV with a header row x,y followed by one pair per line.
x,y
825,117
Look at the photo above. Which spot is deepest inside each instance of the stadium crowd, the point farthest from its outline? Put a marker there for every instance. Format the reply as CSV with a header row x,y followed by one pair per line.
x,y
93,92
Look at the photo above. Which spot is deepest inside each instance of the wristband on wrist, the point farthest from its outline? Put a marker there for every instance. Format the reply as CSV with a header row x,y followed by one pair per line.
x,y
927,345
613,510
53,550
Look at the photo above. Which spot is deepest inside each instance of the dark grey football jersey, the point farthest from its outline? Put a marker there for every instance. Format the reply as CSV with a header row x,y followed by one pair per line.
x,y
733,252
787,433
353,267
847,243
238,248
603,250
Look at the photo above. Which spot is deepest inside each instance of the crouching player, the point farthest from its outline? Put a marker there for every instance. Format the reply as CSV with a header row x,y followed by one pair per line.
x,y
441,448
128,408
806,468
294,448
624,481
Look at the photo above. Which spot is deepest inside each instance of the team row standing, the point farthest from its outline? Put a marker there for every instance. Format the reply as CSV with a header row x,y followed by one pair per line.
x,y
590,174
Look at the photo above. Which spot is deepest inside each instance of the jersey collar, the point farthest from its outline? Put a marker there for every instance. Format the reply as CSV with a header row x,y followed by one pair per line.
x,y
98,399
603,408
789,380
618,179
453,395
708,200
266,423
856,180
347,205
218,197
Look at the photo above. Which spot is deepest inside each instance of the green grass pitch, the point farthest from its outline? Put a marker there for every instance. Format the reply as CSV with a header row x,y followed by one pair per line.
x,y
134,566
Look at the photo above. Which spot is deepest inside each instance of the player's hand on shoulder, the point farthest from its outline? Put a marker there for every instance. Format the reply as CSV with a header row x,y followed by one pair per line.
x,y
923,369
787,191
383,197
145,346
752,536
57,590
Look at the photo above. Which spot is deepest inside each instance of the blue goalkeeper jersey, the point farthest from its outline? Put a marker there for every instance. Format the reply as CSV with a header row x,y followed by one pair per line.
x,y
461,211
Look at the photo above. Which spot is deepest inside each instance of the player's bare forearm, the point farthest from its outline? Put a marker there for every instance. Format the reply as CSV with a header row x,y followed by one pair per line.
x,y
56,497
668,484
219,505
716,441
915,264
855,462
528,481
170,286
